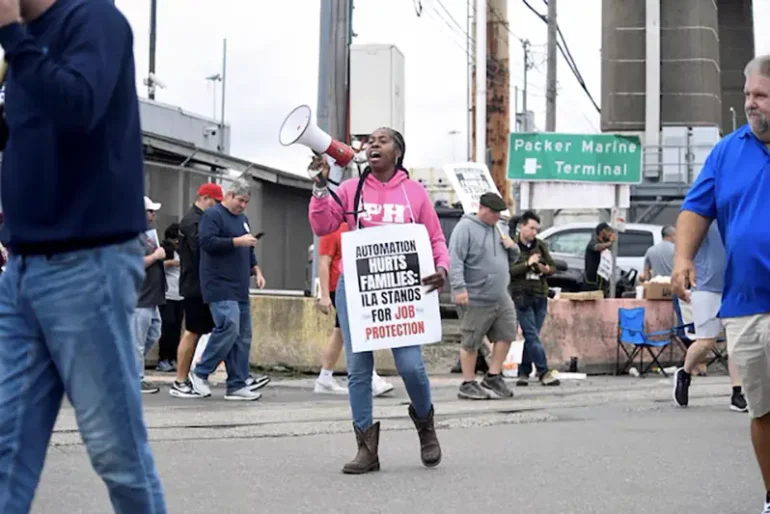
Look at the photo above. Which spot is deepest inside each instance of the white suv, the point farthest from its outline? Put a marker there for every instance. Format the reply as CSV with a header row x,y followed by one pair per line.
x,y
568,243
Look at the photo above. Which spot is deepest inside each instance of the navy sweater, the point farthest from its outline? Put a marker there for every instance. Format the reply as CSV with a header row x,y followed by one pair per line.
x,y
72,174
225,270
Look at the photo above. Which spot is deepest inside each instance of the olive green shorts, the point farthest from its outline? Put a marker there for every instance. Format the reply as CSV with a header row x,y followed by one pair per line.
x,y
497,322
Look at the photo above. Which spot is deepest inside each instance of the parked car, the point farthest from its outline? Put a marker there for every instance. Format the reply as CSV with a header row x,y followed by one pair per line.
x,y
568,243
448,216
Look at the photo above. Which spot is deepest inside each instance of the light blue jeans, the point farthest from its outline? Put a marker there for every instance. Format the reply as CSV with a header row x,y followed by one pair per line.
x,y
65,327
146,334
361,365
230,341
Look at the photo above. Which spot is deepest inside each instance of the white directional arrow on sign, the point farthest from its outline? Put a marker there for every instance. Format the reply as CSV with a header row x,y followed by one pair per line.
x,y
531,166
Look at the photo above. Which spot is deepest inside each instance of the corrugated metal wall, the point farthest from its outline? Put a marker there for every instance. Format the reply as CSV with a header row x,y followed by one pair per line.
x,y
700,40
690,72
736,48
623,57
279,211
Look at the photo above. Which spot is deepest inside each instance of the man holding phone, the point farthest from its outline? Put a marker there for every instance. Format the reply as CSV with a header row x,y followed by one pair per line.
x,y
227,261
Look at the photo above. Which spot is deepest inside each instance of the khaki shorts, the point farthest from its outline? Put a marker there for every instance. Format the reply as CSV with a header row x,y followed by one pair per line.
x,y
748,343
497,322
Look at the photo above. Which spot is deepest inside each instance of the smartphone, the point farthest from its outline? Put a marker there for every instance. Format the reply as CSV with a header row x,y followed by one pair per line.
x,y
259,236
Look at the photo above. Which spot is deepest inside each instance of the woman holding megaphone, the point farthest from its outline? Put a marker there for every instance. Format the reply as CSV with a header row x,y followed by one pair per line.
x,y
384,181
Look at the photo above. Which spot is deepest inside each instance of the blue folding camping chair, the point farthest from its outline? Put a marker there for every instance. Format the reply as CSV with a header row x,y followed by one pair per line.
x,y
631,333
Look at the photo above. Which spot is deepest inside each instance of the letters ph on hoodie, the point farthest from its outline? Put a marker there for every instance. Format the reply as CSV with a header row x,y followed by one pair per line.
x,y
72,171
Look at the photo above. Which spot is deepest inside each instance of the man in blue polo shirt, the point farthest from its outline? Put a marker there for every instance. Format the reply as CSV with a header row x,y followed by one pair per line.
x,y
734,189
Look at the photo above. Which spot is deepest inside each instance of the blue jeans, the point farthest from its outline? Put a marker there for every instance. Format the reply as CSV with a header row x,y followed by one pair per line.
x,y
146,334
66,327
531,319
361,365
230,341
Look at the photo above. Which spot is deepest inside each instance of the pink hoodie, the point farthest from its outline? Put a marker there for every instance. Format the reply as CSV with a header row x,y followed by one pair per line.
x,y
400,200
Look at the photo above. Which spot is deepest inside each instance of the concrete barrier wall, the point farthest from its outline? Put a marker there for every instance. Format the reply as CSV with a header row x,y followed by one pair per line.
x,y
588,330
291,332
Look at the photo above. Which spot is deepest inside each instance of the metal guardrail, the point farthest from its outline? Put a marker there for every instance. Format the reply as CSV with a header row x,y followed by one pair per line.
x,y
678,164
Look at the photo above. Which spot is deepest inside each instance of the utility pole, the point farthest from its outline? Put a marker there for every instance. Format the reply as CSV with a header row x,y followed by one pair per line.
x,y
547,216
525,126
469,81
480,132
498,96
224,90
335,38
153,38
550,88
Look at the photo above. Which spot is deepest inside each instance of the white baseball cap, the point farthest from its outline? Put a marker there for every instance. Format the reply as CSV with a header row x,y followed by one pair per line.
x,y
149,205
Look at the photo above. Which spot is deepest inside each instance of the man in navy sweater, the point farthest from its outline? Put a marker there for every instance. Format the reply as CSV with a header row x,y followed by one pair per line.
x,y
227,261
72,195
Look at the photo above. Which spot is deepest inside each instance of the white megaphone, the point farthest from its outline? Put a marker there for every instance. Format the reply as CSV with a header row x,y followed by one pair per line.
x,y
299,128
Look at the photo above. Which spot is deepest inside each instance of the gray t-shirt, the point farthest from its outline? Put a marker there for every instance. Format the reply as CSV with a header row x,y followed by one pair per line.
x,y
710,262
660,259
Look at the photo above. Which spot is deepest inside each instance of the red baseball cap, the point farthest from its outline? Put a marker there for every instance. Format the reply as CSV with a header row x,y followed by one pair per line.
x,y
212,190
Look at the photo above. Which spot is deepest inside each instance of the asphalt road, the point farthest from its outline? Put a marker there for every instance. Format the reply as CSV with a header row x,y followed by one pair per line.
x,y
598,446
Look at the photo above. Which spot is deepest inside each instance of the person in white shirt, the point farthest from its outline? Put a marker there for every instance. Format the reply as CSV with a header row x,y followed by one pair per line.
x,y
172,313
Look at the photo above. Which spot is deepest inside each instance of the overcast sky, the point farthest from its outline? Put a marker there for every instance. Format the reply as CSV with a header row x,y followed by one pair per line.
x,y
273,65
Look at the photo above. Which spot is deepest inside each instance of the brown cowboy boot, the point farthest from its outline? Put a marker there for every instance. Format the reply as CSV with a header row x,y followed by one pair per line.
x,y
366,459
430,450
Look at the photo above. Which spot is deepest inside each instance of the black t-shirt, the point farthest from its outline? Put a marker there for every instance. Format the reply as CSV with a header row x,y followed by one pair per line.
x,y
592,260
154,287
189,255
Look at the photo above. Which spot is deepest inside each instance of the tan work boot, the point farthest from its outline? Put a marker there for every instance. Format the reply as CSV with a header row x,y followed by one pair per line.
x,y
366,459
430,450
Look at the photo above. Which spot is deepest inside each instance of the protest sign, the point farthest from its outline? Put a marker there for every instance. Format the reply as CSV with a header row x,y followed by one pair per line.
x,y
605,264
152,236
388,306
470,180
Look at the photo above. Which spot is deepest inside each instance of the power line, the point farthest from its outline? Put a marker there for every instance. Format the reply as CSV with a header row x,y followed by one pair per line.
x,y
564,50
471,55
462,29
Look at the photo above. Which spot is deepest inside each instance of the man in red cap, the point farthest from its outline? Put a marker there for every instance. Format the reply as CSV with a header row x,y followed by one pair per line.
x,y
197,316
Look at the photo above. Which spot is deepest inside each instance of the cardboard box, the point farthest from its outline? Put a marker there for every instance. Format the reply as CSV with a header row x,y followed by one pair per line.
x,y
658,291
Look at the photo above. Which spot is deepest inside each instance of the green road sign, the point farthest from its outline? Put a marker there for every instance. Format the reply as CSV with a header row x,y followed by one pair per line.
x,y
596,158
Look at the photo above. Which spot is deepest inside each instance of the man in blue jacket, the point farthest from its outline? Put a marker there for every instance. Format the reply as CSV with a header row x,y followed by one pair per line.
x,y
72,196
227,261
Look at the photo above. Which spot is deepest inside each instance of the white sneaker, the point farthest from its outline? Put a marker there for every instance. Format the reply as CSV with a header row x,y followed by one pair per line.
x,y
380,386
244,394
199,385
328,386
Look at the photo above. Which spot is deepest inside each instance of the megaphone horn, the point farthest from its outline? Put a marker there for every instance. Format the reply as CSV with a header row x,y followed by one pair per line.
x,y
298,128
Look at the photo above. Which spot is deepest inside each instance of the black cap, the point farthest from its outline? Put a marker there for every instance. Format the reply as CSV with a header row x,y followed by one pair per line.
x,y
493,201
601,227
